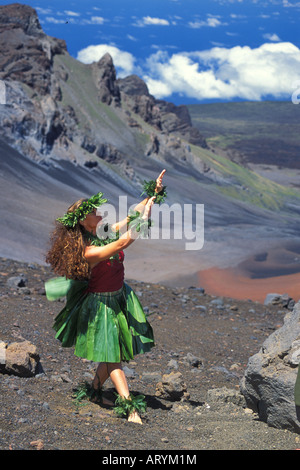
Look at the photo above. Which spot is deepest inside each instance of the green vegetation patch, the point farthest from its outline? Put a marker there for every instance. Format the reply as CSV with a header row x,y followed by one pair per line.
x,y
246,185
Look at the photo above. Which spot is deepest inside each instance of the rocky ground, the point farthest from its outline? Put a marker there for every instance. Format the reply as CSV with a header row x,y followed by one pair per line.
x,y
206,339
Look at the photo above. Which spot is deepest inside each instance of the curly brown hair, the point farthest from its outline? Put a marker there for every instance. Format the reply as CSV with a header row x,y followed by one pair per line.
x,y
66,253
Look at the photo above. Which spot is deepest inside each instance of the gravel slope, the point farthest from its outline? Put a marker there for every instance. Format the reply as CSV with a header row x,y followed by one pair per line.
x,y
40,413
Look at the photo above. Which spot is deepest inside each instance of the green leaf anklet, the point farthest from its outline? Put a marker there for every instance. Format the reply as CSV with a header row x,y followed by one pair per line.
x,y
126,406
85,391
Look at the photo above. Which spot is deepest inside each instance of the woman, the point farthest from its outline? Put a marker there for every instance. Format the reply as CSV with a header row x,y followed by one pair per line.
x,y
102,317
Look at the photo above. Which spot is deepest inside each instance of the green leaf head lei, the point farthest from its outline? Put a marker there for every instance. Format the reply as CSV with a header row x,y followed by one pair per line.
x,y
71,219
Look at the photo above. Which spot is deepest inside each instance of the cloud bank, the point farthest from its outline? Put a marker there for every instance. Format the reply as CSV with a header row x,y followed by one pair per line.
x,y
217,73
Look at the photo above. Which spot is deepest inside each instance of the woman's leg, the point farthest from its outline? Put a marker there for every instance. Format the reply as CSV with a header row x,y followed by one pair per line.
x,y
118,378
116,373
101,376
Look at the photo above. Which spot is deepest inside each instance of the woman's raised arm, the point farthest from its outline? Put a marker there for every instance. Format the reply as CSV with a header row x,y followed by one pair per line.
x,y
95,254
140,207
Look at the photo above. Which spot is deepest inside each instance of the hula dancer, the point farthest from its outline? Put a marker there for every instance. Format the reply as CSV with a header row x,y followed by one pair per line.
x,y
103,317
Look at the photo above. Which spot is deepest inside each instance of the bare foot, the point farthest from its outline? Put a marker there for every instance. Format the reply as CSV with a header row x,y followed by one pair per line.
x,y
134,417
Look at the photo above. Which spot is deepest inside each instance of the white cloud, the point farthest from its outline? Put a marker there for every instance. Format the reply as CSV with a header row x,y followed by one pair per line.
x,y
238,17
96,20
211,22
272,37
286,3
217,73
131,38
51,19
221,73
72,17
155,21
150,21
71,13
123,61
158,88
43,11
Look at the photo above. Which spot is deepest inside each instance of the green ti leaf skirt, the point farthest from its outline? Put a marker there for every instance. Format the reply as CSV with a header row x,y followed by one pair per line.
x,y
103,327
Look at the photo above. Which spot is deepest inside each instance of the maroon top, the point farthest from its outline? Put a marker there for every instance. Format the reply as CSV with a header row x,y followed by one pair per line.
x,y
107,275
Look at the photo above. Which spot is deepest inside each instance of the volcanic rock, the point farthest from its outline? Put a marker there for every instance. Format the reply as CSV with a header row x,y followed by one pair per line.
x,y
26,51
269,380
22,359
164,116
277,299
16,281
172,387
104,74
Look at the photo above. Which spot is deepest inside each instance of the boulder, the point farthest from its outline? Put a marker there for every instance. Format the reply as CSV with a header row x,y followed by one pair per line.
x,y
269,381
193,361
22,359
284,300
172,387
16,281
225,395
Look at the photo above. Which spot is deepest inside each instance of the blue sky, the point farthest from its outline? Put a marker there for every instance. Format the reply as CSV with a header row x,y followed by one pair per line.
x,y
187,51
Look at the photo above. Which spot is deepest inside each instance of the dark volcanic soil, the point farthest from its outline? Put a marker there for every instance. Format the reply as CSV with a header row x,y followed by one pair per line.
x,y
40,412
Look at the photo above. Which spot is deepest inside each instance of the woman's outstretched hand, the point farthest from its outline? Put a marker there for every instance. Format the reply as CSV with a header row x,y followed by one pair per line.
x,y
159,185
148,206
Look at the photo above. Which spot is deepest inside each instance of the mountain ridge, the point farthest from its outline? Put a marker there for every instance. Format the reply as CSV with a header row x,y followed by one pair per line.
x,y
82,129
42,64
262,136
